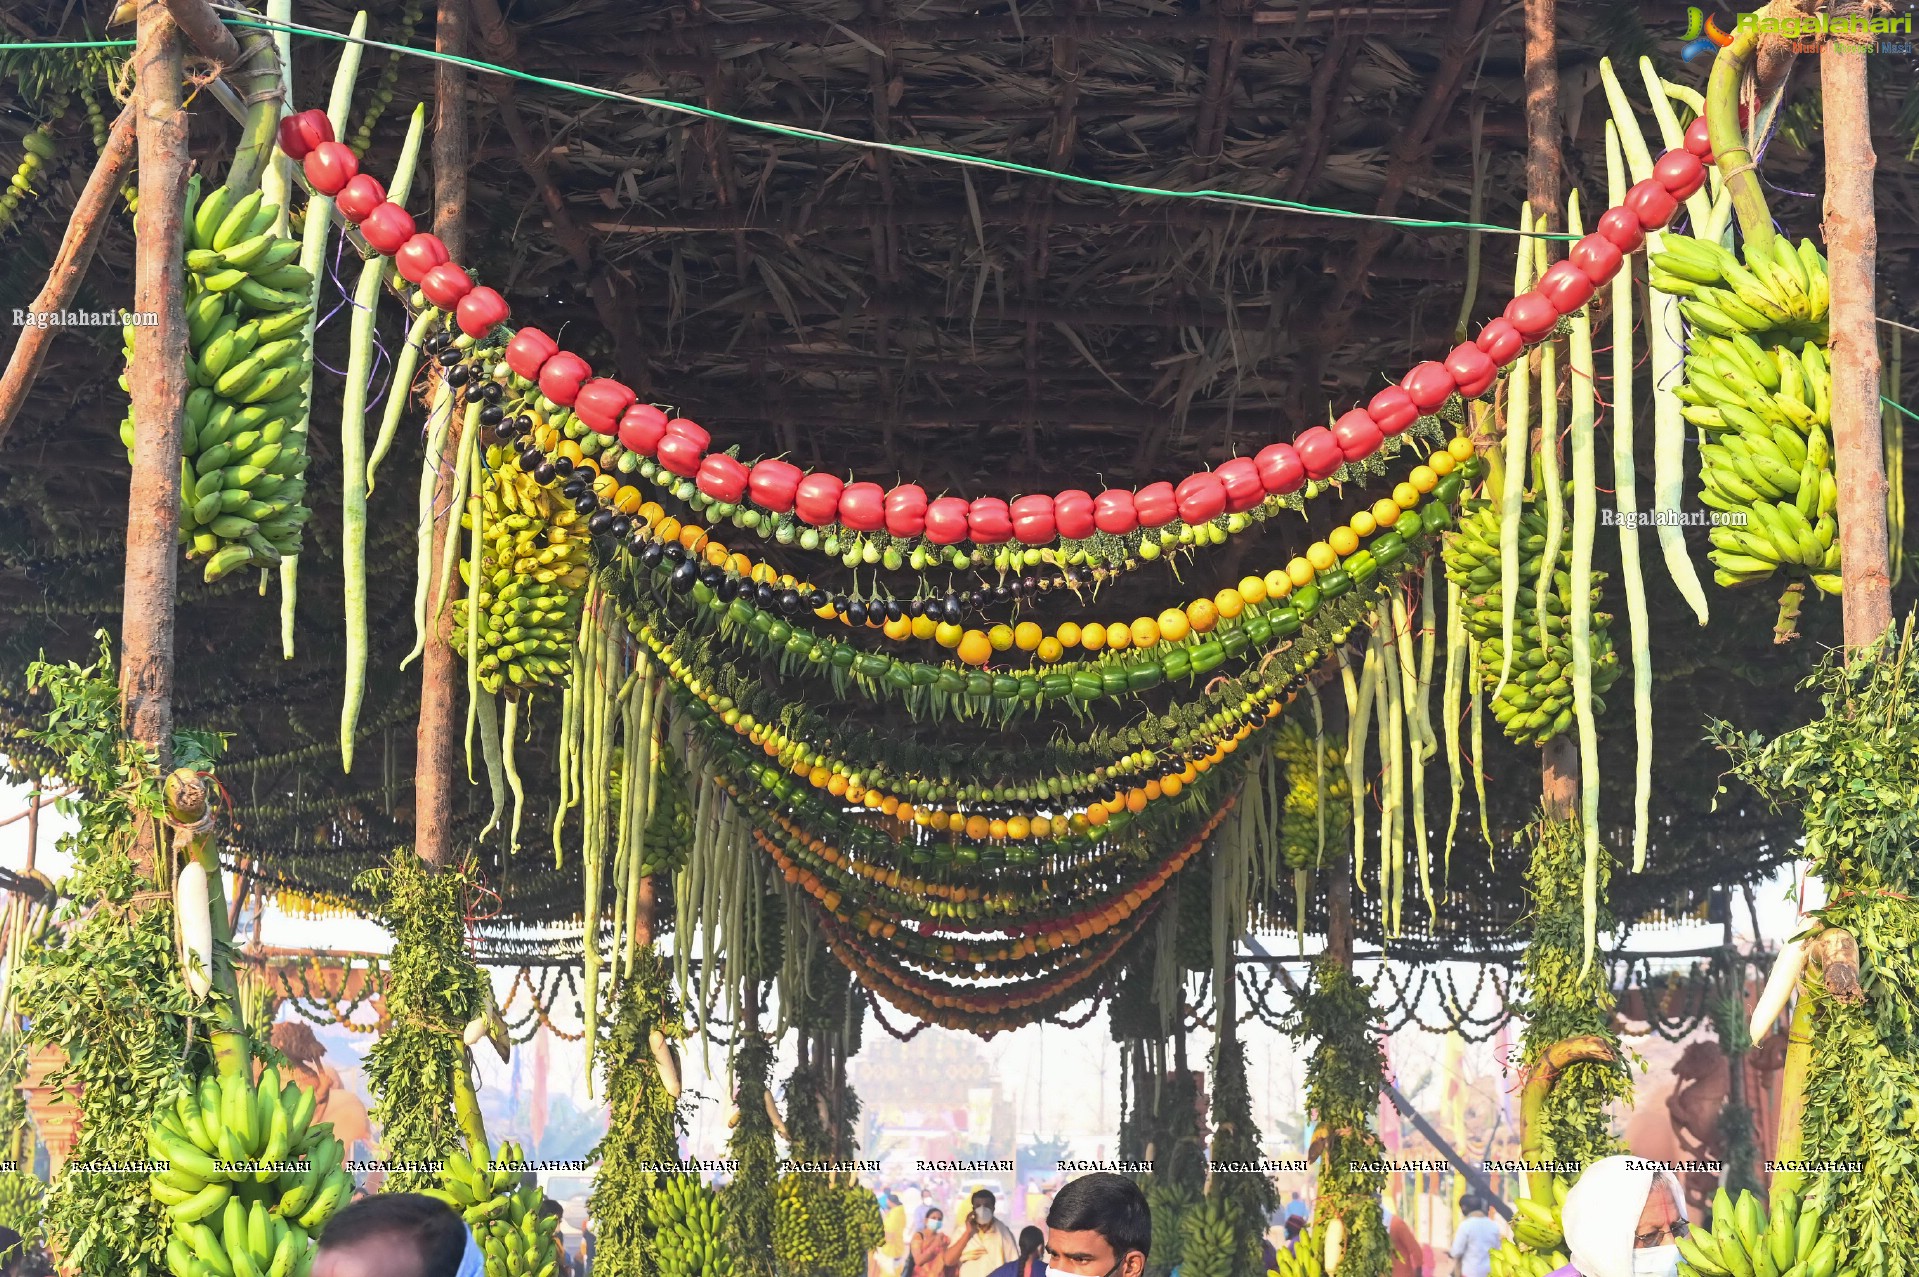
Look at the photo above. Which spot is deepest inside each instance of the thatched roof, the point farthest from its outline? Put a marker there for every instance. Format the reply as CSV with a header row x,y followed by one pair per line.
x,y
888,315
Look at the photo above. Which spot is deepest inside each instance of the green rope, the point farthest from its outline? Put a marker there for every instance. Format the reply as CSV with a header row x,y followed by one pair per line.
x,y
787,130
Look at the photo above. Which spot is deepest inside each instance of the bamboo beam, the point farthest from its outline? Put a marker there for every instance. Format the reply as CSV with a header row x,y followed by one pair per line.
x,y
84,228
1852,249
433,779
158,377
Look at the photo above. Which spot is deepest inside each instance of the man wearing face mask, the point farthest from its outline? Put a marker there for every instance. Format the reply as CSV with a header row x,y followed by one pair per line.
x,y
1098,1226
982,1243
1624,1218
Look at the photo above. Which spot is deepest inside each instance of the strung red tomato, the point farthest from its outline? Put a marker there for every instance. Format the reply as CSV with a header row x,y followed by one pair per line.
x,y
1074,515
1472,368
1358,435
1651,203
1699,138
1566,286
1429,385
1680,172
1501,341
946,520
480,312
360,196
1597,257
680,454
1319,452
419,255
772,483
1393,410
1201,497
1156,505
723,478
1532,314
989,521
445,284
643,426
863,507
1280,469
1622,227
818,499
562,376
906,510
387,227
529,349
1113,512
1243,487
690,430
329,167
301,132
600,404
1033,519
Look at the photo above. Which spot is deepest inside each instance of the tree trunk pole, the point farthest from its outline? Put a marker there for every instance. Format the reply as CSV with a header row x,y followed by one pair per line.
x,y
158,378
1339,911
433,777
1852,244
1542,110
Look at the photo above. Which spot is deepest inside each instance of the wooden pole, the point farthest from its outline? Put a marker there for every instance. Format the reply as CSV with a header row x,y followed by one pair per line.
x,y
158,378
1852,245
440,679
1542,110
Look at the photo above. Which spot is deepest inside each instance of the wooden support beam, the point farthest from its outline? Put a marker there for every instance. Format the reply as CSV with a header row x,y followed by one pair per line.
x,y
158,377
203,28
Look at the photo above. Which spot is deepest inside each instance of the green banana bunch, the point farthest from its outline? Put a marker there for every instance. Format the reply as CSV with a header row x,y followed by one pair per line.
x,y
801,1237
1307,1258
244,454
1169,1204
534,567
1209,1240
1537,702
22,1199
1745,1241
504,1213
1299,823
1760,391
1781,291
249,1177
1538,1241
686,1214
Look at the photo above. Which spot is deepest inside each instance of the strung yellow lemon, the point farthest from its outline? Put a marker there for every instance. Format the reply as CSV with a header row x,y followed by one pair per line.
x,y
1343,541
948,634
975,648
1118,636
1018,827
1405,495
1423,479
1050,649
1026,636
1278,584
1252,589
1461,448
1068,634
1171,785
1145,632
898,630
1202,615
924,627
1173,625
1228,603
1363,523
978,827
1001,637
1440,463
1385,512
1093,637
1043,827
1321,556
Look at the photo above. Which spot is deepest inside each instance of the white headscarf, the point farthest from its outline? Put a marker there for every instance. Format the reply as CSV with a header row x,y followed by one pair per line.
x,y
1601,1217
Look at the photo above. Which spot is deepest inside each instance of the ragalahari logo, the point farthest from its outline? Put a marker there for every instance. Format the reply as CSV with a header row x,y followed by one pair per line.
x,y
1702,34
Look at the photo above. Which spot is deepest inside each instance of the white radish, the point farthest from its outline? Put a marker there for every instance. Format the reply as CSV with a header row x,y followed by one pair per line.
x,y
193,916
668,1066
1779,988
1335,1242
773,1112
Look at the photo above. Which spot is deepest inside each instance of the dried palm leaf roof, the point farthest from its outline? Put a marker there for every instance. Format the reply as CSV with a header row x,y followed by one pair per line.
x,y
888,314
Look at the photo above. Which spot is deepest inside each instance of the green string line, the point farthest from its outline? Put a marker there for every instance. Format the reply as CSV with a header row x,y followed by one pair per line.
x,y
1901,407
243,18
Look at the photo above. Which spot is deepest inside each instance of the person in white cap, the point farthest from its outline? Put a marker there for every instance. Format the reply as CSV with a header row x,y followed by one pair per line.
x,y
398,1235
1624,1218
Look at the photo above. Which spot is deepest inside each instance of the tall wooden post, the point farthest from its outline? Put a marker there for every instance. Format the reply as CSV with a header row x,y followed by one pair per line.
x,y
433,776
1542,110
1852,245
158,381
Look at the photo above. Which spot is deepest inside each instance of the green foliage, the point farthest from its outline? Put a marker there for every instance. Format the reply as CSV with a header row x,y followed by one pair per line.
x,y
433,992
1736,1125
107,990
746,1203
1560,1001
1249,1194
643,1123
23,1201
823,1226
1852,773
1343,1081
